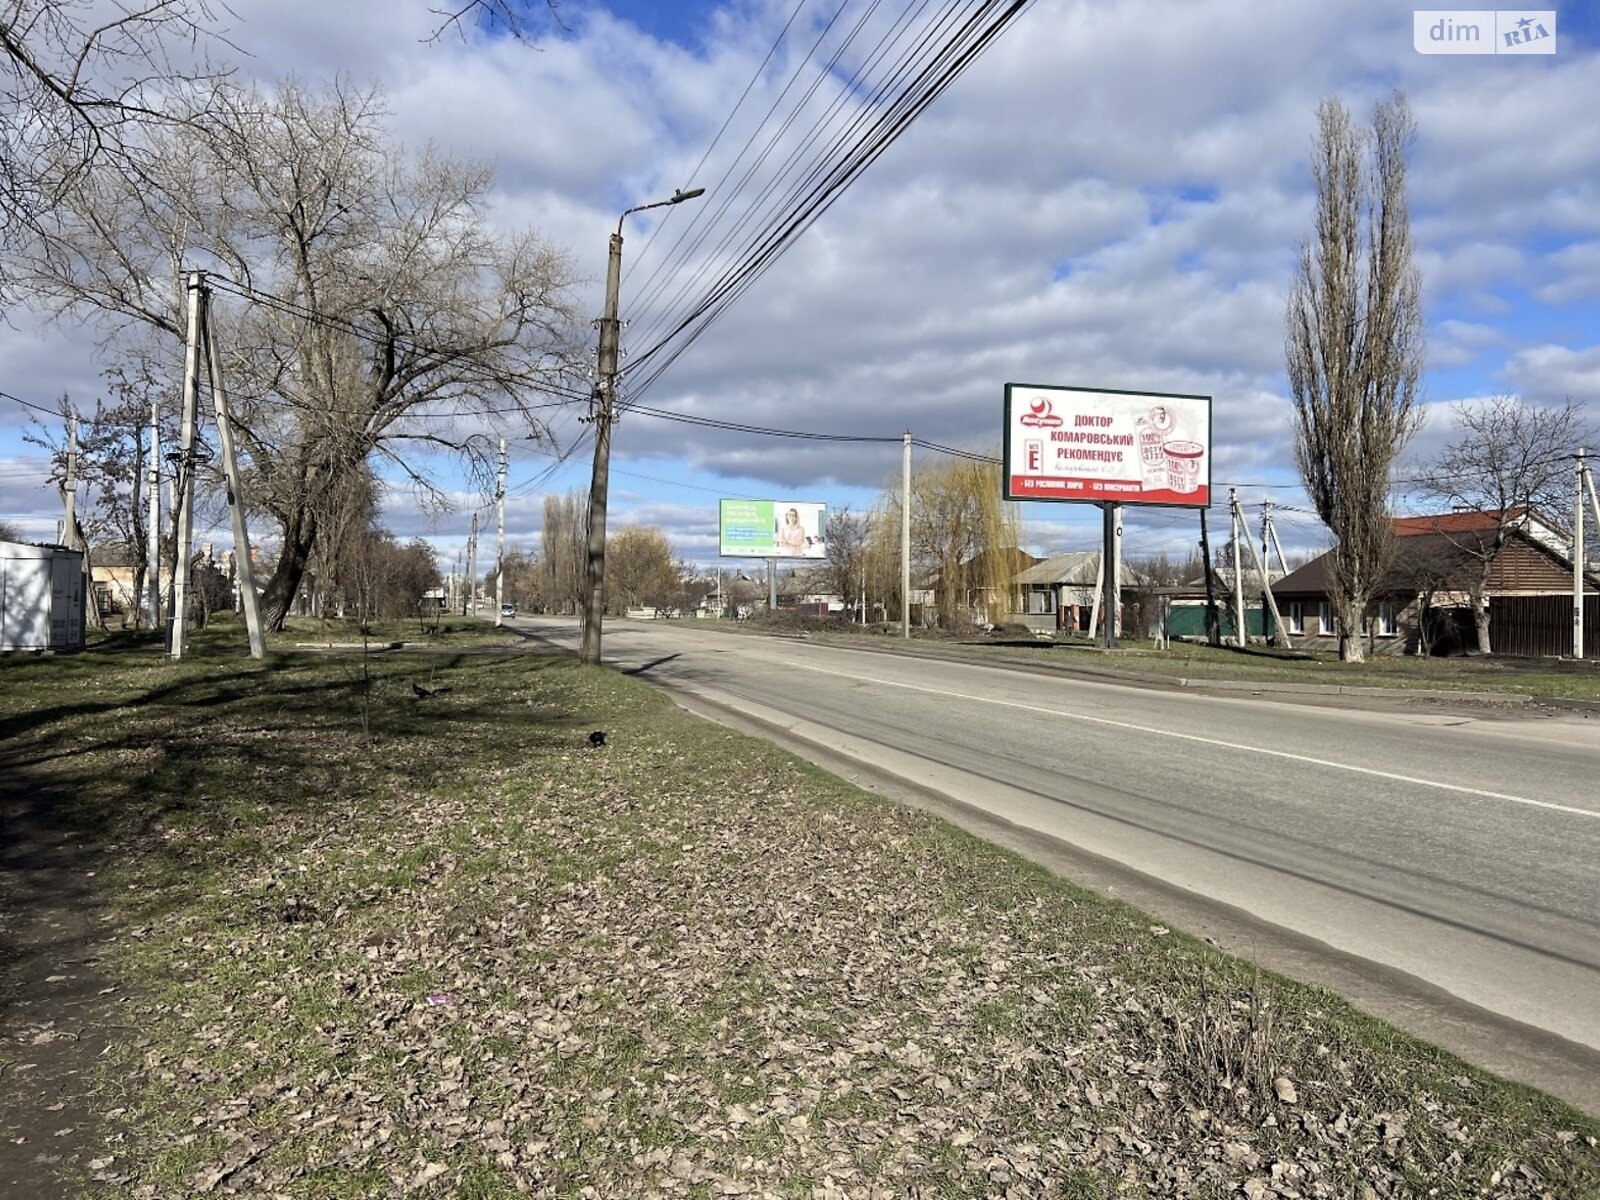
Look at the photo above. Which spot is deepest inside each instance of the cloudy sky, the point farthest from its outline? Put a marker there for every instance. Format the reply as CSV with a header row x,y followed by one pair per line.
x,y
1111,196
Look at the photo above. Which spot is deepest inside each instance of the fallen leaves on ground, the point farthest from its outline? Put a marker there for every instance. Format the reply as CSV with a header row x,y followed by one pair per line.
x,y
695,966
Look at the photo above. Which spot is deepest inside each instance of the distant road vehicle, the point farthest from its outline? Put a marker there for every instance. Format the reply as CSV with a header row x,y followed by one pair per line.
x,y
508,610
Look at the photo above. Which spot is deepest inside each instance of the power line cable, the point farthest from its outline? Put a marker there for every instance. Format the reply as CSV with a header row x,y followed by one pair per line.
x,y
930,82
727,195
849,87
728,120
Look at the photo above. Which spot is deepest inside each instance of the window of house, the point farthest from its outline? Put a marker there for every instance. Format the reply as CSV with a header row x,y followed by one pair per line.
x,y
1387,626
1294,616
1325,625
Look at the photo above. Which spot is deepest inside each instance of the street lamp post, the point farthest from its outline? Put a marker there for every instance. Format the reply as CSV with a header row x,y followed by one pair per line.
x,y
604,415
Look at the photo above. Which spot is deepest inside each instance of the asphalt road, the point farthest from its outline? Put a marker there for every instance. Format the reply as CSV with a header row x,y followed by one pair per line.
x,y
1445,847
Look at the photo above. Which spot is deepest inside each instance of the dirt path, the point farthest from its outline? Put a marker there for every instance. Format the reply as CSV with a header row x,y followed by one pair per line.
x,y
57,1009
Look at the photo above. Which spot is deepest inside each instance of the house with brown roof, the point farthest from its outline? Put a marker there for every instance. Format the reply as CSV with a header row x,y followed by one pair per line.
x,y
1450,574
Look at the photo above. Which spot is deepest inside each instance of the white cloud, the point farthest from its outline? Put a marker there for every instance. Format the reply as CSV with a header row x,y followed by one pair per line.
x,y
1550,373
1573,274
1112,196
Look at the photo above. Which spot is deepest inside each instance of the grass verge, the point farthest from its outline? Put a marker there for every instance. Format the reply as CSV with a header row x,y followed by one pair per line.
x,y
1541,678
375,942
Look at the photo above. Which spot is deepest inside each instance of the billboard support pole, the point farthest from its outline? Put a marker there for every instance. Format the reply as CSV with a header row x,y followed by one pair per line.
x,y
772,586
1111,551
1213,625
905,538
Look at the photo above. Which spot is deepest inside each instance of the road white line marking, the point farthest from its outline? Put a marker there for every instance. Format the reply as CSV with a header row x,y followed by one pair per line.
x,y
1193,737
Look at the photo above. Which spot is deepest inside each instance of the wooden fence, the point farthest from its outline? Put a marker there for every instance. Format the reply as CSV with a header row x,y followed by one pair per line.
x,y
1542,625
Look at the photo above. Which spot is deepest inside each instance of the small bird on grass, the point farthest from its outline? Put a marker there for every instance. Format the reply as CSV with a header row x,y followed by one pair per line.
x,y
597,738
422,693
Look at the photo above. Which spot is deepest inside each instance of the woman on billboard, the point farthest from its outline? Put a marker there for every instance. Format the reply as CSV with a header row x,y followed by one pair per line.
x,y
791,535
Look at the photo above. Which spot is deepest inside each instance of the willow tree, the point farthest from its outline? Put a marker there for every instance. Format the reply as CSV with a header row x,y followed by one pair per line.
x,y
1354,346
964,540
367,310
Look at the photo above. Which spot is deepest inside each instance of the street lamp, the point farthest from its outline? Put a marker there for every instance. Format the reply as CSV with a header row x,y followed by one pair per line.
x,y
604,414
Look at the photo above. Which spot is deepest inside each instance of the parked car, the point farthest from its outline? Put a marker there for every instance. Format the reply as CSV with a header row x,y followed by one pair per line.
x,y
508,610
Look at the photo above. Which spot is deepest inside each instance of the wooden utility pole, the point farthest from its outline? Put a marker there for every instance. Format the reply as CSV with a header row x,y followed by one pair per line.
x,y
186,457
1213,625
604,414
905,537
500,551
244,569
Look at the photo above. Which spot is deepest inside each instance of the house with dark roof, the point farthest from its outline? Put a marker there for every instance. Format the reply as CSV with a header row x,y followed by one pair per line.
x,y
1061,593
1448,572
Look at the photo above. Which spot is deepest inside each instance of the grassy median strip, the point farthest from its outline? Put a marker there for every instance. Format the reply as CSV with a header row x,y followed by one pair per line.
x,y
1539,678
399,927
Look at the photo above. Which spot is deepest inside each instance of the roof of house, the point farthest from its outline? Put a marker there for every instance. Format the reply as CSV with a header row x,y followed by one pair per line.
x,y
1426,557
1455,522
1077,568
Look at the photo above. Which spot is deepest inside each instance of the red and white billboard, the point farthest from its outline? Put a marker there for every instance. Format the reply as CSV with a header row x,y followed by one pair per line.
x,y
1107,447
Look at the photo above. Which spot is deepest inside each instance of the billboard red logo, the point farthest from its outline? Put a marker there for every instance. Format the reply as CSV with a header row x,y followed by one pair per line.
x,y
1040,416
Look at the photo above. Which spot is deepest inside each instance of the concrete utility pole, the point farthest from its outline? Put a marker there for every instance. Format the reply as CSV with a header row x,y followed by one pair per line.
x,y
472,564
1111,570
1267,597
905,538
604,414
1577,562
1238,579
1586,481
1270,530
243,567
191,405
69,490
500,550
1098,607
1261,565
153,547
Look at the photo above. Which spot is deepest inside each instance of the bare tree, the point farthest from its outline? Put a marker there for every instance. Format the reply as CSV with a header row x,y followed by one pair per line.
x,y
365,308
563,542
498,16
1511,461
1354,345
112,465
82,87
845,568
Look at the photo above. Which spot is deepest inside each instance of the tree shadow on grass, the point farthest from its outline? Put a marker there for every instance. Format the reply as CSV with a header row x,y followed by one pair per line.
x,y
103,756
